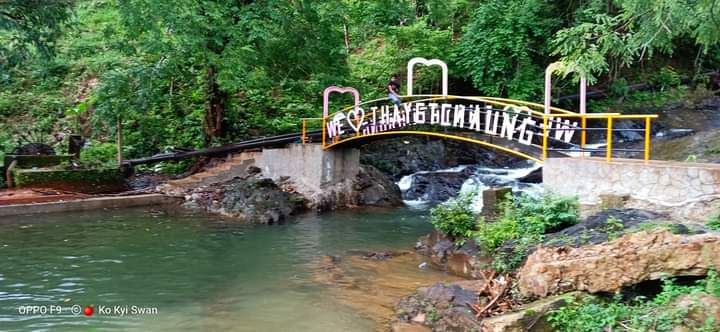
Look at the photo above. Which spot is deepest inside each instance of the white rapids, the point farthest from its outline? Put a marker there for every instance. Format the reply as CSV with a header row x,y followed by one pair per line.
x,y
483,178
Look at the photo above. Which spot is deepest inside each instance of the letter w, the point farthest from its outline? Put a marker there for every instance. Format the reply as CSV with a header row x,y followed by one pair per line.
x,y
564,130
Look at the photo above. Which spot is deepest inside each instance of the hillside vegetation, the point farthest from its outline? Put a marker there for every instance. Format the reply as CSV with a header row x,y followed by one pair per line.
x,y
192,73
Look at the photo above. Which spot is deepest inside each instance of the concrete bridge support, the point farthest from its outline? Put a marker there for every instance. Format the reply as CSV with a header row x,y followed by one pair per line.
x,y
309,164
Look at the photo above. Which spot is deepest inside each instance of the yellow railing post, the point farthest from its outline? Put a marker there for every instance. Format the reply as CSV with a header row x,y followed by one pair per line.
x,y
323,131
545,137
648,127
608,156
304,137
583,136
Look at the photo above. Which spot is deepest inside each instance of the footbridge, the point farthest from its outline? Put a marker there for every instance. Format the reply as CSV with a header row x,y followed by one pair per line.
x,y
597,165
528,130
525,129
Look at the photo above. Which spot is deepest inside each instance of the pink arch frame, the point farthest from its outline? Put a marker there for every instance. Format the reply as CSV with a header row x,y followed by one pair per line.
x,y
331,89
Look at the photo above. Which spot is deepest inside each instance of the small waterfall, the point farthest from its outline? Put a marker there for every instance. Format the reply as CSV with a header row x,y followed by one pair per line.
x,y
426,188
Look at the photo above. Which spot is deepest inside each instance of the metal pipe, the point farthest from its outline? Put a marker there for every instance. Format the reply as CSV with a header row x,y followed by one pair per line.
x,y
323,131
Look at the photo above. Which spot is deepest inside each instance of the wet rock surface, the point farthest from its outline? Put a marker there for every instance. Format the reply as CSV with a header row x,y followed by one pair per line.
x,y
437,187
533,177
441,307
600,227
369,188
254,199
628,260
463,261
251,197
372,187
402,156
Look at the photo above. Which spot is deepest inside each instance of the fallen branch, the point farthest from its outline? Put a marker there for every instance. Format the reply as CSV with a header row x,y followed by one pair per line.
x,y
496,289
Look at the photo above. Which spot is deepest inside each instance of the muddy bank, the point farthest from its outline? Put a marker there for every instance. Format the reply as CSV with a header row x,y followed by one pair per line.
x,y
372,283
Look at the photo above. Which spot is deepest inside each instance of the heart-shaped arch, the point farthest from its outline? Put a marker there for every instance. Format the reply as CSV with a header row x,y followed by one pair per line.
x,y
433,62
331,89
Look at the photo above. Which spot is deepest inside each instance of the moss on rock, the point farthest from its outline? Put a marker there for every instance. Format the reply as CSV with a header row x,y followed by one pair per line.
x,y
81,180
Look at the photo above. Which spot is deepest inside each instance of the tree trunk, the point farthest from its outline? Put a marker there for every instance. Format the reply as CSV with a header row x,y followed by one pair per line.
x,y
346,34
216,107
119,141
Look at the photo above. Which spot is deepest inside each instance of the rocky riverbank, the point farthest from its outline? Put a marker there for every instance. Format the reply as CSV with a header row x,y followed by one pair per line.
x,y
614,250
254,198
235,187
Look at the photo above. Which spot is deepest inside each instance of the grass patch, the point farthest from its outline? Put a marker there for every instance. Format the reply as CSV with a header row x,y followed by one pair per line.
x,y
638,314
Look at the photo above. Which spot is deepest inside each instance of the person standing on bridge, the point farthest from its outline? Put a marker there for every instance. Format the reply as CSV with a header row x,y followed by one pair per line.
x,y
394,90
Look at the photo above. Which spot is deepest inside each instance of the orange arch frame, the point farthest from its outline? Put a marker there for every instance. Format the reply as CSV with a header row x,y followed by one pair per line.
x,y
446,136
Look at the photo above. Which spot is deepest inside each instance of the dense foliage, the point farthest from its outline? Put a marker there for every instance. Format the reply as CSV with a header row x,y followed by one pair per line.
x,y
29,27
638,314
523,221
455,218
506,54
607,35
190,73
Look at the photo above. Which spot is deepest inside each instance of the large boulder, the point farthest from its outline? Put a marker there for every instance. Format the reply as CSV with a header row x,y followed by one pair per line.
x,y
530,317
372,187
628,260
254,199
439,186
369,188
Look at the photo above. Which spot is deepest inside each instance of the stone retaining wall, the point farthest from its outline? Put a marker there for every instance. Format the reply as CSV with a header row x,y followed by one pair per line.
x,y
659,182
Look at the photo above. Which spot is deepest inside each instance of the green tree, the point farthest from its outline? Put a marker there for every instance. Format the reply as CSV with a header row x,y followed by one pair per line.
x,y
30,27
236,60
611,34
503,50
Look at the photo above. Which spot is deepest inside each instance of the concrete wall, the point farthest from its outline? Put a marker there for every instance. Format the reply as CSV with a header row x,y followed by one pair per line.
x,y
659,182
88,204
309,164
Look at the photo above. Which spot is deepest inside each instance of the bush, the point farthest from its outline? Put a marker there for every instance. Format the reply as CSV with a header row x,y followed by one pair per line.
x,y
174,168
99,154
524,220
713,223
455,218
666,77
638,314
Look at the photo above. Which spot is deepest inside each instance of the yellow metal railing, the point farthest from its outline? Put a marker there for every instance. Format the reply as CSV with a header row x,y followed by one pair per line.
x,y
610,119
303,133
535,111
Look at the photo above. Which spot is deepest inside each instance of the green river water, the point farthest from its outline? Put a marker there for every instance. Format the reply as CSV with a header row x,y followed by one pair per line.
x,y
202,273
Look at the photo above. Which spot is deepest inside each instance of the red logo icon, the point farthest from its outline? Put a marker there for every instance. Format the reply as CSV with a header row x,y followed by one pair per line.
x,y
88,311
